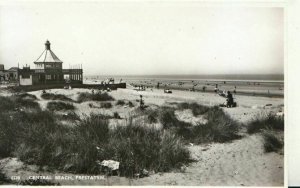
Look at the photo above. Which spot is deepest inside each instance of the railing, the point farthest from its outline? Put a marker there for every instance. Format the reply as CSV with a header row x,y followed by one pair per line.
x,y
72,71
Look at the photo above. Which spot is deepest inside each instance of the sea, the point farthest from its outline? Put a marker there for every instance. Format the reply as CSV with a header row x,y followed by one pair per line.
x,y
212,77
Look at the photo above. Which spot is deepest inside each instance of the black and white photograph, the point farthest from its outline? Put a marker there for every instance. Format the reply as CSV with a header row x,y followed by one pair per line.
x,y
142,93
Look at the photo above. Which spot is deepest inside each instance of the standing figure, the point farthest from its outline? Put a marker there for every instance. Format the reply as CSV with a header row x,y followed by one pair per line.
x,y
229,100
141,101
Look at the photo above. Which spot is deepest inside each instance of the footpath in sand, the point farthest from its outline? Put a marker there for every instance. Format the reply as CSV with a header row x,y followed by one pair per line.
x,y
241,162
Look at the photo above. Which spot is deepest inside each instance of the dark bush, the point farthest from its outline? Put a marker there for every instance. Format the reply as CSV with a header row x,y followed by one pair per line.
x,y
271,142
116,115
106,105
120,102
57,106
271,122
219,128
4,180
137,148
7,104
38,138
70,116
94,97
52,96
27,103
152,116
26,96
130,104
168,118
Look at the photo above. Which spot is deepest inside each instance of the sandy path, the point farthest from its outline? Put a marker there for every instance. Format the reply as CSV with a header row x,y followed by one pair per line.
x,y
239,163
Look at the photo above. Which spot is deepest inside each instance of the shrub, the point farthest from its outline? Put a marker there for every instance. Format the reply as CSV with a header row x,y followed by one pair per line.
x,y
14,102
4,180
57,106
168,118
26,96
120,102
116,115
271,142
38,138
271,122
137,147
27,103
130,104
52,96
152,116
20,127
70,116
94,97
106,105
7,104
219,128
195,107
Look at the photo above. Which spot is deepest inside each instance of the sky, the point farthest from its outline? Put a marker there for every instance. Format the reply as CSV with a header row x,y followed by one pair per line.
x,y
136,38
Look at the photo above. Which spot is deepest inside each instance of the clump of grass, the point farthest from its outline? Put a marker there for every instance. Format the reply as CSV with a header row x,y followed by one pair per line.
x,y
15,102
52,96
219,128
27,103
168,118
137,147
57,106
120,102
18,127
106,105
271,122
39,138
70,116
152,116
271,142
117,115
195,107
94,97
130,104
26,96
7,104
4,180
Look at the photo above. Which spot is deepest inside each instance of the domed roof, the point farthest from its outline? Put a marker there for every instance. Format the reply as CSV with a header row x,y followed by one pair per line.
x,y
47,55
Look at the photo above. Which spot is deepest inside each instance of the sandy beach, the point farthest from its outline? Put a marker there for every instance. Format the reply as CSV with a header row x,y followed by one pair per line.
x,y
240,162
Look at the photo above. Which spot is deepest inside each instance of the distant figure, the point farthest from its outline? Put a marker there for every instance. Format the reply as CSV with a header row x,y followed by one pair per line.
x,y
234,91
203,88
229,100
141,101
157,85
216,88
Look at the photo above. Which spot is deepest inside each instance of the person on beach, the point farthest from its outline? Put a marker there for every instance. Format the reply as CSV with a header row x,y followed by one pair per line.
x,y
229,100
141,101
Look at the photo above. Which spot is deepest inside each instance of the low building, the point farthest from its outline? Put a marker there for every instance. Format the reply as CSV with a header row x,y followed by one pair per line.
x,y
48,70
10,75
